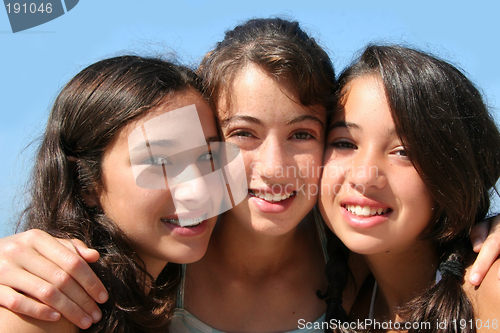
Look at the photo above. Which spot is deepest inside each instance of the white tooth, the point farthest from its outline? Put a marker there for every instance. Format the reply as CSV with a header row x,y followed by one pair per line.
x,y
284,196
380,210
358,210
365,211
276,197
373,211
191,222
171,221
268,197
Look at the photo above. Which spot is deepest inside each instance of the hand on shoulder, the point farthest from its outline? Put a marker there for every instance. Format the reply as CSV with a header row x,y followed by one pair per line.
x,y
485,300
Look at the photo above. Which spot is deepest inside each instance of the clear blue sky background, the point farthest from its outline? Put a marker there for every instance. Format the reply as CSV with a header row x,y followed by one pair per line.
x,y
36,63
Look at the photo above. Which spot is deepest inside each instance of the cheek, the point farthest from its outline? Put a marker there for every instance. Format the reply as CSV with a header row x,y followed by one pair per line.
x,y
424,204
417,200
331,185
334,171
309,166
249,161
135,203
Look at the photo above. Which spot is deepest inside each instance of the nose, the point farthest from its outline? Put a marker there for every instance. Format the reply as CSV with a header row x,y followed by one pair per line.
x,y
270,159
366,171
190,190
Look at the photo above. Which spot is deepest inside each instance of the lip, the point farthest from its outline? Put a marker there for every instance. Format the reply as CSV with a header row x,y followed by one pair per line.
x,y
360,222
186,215
271,191
187,231
270,207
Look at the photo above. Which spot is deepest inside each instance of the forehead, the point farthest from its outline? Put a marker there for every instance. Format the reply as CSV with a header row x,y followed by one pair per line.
x,y
184,111
365,93
254,91
169,130
364,106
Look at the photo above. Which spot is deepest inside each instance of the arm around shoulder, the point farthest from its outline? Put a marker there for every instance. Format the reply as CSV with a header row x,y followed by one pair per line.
x,y
14,323
486,301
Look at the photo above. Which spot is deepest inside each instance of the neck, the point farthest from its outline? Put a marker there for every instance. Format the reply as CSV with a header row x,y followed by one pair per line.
x,y
253,254
401,276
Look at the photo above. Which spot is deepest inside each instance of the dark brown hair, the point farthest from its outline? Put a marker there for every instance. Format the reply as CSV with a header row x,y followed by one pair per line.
x,y
86,116
282,49
453,142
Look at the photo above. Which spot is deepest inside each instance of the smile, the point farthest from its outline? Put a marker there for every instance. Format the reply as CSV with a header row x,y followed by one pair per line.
x,y
366,211
187,222
271,197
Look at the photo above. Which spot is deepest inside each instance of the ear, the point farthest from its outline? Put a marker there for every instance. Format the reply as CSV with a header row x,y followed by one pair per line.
x,y
91,200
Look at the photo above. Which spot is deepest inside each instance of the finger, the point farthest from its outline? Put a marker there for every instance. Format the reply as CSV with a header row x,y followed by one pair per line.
x,y
19,303
479,233
22,267
73,264
76,245
495,226
44,292
70,289
488,254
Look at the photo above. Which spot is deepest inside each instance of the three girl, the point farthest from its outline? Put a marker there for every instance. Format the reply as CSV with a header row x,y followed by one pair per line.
x,y
272,88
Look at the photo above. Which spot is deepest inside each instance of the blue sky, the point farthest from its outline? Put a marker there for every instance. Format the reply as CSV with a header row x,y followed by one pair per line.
x,y
36,63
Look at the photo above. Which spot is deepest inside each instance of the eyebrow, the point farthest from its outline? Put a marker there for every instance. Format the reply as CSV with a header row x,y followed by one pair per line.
x,y
305,118
228,121
349,125
167,143
212,139
156,143
344,124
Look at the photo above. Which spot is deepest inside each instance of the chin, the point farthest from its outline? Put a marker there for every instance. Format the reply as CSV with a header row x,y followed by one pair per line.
x,y
189,253
364,245
267,227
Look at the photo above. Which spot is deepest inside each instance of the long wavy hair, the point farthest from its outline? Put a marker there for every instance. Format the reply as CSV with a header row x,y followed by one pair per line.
x,y
279,47
86,116
453,142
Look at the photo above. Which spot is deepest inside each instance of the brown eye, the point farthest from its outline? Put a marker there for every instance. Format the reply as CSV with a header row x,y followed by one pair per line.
x,y
242,133
302,135
343,145
400,152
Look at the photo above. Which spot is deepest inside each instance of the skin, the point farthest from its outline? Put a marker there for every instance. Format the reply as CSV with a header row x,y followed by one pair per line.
x,y
123,201
403,264
53,271
263,265
364,165
138,212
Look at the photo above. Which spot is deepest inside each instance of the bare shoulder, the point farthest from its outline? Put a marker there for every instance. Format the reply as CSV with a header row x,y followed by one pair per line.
x,y
486,300
12,322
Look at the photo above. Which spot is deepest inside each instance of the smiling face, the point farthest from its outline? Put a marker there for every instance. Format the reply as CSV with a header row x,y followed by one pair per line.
x,y
148,215
282,146
372,196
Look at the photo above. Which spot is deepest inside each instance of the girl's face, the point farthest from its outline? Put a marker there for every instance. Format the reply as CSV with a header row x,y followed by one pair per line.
x,y
282,146
148,216
372,196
